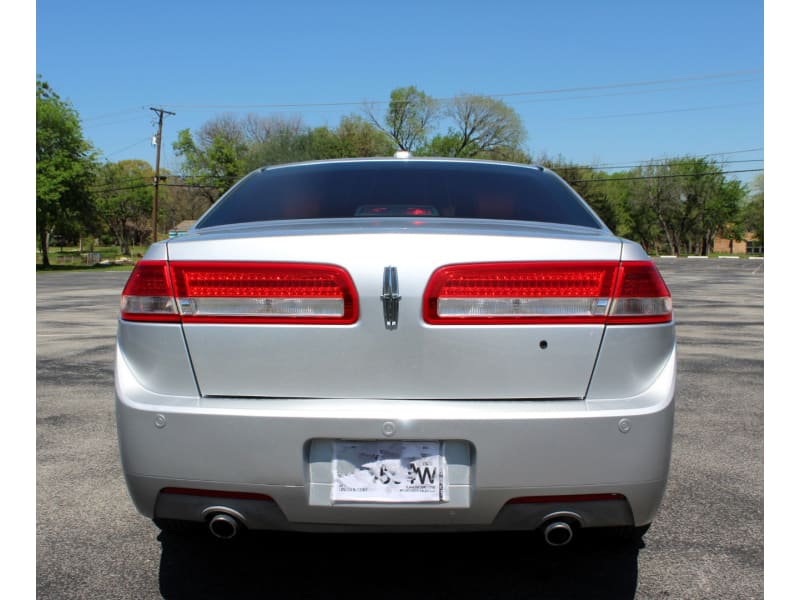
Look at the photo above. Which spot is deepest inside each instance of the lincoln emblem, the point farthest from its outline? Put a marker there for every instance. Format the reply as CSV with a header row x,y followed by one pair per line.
x,y
390,297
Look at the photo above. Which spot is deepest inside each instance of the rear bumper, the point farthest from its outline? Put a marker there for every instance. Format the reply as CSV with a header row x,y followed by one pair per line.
x,y
507,450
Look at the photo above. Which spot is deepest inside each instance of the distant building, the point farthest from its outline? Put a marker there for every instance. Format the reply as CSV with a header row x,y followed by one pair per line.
x,y
749,245
181,228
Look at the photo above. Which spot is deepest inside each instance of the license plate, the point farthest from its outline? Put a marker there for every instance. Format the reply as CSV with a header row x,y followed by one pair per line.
x,y
389,472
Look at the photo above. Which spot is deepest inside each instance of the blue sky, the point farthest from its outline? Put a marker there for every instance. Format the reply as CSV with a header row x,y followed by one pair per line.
x,y
561,64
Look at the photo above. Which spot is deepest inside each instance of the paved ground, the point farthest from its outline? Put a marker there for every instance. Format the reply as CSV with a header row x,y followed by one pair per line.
x,y
705,543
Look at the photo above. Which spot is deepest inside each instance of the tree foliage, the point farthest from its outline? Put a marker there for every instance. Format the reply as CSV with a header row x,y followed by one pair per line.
x,y
753,210
484,127
680,204
64,168
409,117
476,126
217,158
584,181
226,148
124,200
691,200
359,138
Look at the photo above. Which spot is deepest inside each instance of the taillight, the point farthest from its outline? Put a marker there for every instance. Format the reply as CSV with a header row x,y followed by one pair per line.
x,y
641,295
245,292
546,293
148,294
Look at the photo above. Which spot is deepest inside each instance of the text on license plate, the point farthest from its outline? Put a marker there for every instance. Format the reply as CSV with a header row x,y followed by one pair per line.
x,y
398,471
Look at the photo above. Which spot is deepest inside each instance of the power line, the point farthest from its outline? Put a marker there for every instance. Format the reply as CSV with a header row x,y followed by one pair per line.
x,y
113,114
119,189
495,95
127,147
599,180
664,112
708,174
129,120
645,163
145,181
650,160
634,84
147,185
337,107
630,93
596,167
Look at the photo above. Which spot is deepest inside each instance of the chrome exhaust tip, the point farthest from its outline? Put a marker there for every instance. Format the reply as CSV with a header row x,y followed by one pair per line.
x,y
223,526
558,533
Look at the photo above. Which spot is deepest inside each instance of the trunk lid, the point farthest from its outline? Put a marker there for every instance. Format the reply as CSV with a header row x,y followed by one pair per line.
x,y
414,360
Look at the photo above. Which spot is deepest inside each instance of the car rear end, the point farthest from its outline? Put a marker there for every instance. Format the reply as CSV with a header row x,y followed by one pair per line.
x,y
404,372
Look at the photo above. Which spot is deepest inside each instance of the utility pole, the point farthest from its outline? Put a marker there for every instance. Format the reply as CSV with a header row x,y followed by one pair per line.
x,y
157,178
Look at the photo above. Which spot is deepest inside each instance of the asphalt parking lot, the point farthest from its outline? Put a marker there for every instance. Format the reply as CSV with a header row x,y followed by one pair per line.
x,y
707,541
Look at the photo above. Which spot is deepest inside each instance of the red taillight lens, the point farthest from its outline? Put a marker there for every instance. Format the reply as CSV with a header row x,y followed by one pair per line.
x,y
148,294
546,292
243,292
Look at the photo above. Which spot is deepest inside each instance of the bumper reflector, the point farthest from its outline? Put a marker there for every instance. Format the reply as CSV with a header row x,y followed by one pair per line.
x,y
566,498
215,493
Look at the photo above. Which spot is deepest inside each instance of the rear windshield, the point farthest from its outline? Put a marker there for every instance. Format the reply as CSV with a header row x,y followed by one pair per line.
x,y
432,189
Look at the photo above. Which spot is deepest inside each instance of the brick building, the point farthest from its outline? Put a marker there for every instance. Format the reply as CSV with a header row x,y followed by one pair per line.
x,y
748,245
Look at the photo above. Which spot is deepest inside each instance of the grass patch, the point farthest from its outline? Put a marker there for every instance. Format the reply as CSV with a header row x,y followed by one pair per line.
x,y
73,268
73,259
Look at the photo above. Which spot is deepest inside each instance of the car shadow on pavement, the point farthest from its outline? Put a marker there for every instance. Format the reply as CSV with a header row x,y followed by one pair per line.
x,y
419,566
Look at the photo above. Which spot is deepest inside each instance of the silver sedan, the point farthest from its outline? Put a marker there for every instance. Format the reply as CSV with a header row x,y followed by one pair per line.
x,y
397,344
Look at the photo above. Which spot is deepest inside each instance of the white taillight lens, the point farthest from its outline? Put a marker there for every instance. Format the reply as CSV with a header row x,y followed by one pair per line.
x,y
263,307
515,307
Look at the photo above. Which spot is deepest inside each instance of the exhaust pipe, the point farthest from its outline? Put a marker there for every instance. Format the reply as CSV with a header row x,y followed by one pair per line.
x,y
223,526
558,533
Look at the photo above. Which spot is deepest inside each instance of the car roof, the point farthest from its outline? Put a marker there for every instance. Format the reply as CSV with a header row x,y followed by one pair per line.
x,y
410,159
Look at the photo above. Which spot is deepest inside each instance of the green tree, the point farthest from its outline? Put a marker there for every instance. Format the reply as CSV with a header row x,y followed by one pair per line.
x,y
691,201
752,214
64,168
284,145
447,145
216,159
409,117
588,183
321,143
721,214
124,199
680,203
290,141
708,203
634,217
360,138
484,127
